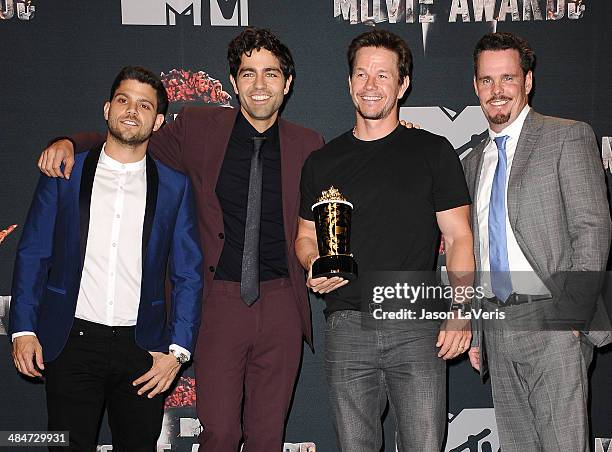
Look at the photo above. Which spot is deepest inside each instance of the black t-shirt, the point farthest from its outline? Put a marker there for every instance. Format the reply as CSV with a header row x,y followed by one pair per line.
x,y
396,185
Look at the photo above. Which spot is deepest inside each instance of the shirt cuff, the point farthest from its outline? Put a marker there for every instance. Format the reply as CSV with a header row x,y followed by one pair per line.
x,y
22,333
179,349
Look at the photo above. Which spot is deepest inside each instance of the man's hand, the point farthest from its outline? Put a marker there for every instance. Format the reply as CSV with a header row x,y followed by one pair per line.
x,y
161,375
27,355
51,159
454,338
474,355
323,285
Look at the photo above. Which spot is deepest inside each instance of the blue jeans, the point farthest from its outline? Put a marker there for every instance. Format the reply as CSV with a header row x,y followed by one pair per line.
x,y
366,367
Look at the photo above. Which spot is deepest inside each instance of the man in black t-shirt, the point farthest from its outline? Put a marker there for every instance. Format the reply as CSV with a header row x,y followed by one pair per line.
x,y
407,185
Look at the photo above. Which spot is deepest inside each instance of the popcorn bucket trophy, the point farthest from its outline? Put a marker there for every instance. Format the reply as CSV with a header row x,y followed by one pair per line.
x,y
332,215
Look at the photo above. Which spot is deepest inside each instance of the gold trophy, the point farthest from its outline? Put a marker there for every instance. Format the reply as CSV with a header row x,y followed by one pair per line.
x,y
332,216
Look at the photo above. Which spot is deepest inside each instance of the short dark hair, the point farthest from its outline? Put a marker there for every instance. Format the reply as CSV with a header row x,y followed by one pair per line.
x,y
255,39
504,41
143,75
386,40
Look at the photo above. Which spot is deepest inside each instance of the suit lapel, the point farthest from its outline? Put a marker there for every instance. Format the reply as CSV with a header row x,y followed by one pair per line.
x,y
290,170
526,144
217,139
87,178
151,203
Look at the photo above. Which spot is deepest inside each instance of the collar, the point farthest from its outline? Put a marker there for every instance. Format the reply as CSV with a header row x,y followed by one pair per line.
x,y
244,129
118,166
513,130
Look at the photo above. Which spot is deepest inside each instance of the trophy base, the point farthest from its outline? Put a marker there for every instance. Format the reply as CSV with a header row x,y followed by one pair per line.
x,y
339,265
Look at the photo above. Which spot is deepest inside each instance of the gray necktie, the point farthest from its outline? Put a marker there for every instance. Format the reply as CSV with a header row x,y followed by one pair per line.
x,y
249,281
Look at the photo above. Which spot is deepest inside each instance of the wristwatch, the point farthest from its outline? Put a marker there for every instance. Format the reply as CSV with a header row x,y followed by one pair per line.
x,y
181,358
461,307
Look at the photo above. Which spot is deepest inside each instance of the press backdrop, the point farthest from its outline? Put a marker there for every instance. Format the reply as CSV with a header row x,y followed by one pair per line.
x,y
57,61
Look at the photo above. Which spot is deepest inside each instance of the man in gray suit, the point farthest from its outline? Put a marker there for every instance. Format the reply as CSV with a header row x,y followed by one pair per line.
x,y
541,238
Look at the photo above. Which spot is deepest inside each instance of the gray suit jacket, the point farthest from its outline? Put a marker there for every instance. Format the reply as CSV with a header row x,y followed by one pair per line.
x,y
557,206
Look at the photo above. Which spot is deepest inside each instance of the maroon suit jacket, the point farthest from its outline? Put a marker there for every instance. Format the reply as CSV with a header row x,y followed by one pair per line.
x,y
195,144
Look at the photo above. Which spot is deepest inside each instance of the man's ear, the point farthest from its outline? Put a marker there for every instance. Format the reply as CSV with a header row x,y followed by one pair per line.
x,y
106,110
159,120
403,87
288,84
528,82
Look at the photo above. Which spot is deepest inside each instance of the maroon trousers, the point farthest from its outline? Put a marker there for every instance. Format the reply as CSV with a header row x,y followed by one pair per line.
x,y
246,355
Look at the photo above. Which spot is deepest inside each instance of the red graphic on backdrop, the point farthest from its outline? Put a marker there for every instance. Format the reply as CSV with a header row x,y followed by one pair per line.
x,y
189,86
184,394
5,232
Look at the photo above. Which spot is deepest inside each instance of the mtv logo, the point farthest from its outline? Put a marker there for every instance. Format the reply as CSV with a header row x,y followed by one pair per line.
x,y
464,130
603,445
229,12
159,12
472,430
167,12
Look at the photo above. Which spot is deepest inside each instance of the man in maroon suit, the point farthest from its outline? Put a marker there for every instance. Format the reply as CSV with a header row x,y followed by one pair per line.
x,y
244,166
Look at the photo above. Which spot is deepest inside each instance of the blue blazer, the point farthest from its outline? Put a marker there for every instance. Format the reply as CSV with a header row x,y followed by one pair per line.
x,y
51,252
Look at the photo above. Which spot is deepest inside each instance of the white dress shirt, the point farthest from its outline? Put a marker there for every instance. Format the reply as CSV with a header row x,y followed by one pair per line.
x,y
110,284
109,293
524,280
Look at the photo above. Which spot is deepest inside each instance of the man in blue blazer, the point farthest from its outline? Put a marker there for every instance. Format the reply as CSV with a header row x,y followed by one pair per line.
x,y
88,307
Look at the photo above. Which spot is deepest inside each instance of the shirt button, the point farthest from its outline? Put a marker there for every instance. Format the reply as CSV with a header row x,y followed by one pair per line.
x,y
211,268
118,216
110,302
221,236
114,245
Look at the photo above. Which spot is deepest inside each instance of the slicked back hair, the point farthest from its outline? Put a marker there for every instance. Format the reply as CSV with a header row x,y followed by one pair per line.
x,y
505,41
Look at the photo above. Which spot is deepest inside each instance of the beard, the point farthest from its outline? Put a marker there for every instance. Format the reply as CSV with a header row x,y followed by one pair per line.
x,y
500,118
126,138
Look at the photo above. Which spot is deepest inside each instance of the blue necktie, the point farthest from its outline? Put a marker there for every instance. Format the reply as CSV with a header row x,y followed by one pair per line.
x,y
501,284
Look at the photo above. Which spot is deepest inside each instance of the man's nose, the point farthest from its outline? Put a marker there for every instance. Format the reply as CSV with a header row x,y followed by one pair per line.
x,y
497,87
132,107
260,80
370,83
